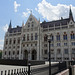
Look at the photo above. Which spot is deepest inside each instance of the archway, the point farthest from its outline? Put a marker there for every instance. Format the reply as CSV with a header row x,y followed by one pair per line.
x,y
25,54
34,55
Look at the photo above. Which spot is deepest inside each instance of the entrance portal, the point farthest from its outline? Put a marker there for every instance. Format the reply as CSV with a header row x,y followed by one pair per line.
x,y
34,55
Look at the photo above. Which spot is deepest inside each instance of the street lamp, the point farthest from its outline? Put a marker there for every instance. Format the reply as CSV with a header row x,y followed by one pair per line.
x,y
49,41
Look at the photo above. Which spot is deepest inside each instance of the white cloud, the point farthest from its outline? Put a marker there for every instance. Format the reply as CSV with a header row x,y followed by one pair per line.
x,y
50,12
5,28
16,6
25,14
1,47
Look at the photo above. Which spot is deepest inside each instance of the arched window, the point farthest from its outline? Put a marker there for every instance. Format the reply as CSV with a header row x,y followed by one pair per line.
x,y
65,36
72,35
58,37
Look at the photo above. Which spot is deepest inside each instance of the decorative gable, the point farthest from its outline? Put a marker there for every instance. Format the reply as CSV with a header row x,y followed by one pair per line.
x,y
31,22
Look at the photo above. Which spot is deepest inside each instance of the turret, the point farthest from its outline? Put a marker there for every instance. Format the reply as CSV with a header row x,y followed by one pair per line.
x,y
10,26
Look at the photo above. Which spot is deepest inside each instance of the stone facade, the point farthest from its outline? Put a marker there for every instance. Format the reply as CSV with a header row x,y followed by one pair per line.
x,y
30,41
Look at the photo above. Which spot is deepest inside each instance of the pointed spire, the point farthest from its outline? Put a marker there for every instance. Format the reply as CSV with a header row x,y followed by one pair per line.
x,y
70,14
31,11
23,24
10,26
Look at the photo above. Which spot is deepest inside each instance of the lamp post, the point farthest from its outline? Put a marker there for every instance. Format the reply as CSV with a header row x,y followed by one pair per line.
x,y
49,41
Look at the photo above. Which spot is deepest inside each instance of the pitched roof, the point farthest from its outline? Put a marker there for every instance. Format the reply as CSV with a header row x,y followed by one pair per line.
x,y
17,29
56,23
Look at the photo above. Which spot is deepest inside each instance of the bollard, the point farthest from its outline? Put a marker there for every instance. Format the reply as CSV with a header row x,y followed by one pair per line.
x,y
5,72
29,68
1,72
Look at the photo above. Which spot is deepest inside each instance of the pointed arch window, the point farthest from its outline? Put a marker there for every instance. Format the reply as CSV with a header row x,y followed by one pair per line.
x,y
65,36
58,37
72,35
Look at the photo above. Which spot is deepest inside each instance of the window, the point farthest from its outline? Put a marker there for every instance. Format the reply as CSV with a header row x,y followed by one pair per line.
x,y
24,38
45,45
52,51
10,41
30,19
52,45
45,51
18,41
31,44
72,35
73,43
14,41
32,24
64,37
45,37
58,44
66,51
36,36
28,24
9,52
6,41
18,46
73,50
5,52
27,37
13,52
52,37
27,45
65,44
58,51
35,44
31,36
17,52
58,37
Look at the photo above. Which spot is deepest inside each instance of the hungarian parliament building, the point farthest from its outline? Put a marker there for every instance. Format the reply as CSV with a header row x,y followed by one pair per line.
x,y
30,41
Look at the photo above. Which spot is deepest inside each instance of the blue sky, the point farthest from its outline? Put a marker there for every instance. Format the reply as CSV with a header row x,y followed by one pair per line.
x,y
18,11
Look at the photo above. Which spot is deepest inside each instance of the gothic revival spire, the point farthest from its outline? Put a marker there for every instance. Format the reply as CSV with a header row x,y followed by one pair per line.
x,y
10,26
23,24
70,14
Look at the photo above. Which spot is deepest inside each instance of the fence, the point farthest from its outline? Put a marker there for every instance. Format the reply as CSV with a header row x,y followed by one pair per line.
x,y
21,71
56,68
